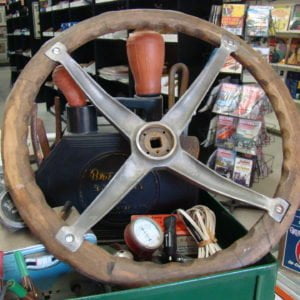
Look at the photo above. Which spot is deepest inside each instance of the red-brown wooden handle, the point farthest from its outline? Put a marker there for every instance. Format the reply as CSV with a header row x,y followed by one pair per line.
x,y
146,55
73,93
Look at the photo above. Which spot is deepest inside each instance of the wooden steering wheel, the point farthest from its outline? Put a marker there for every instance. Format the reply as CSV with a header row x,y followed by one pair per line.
x,y
65,242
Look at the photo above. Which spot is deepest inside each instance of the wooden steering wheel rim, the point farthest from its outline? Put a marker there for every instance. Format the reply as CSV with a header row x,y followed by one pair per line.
x,y
90,259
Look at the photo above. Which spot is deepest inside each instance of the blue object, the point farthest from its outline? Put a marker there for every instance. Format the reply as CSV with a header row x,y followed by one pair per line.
x,y
43,268
66,25
291,257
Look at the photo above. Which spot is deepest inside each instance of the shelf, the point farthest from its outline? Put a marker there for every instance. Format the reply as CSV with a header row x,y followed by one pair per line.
x,y
59,6
48,34
78,3
286,67
104,1
288,33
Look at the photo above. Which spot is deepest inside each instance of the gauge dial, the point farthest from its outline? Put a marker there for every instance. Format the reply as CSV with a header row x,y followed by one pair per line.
x,y
143,236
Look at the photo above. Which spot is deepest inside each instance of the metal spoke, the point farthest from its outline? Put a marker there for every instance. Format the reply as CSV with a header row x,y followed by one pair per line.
x,y
125,120
182,112
128,176
195,171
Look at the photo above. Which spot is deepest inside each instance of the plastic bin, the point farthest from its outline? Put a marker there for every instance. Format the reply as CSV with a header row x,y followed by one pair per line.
x,y
253,282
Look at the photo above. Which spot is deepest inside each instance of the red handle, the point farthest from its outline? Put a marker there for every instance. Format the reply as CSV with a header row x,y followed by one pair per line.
x,y
146,54
73,93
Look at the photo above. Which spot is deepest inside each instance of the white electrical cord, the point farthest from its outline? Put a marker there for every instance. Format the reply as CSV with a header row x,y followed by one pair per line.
x,y
203,221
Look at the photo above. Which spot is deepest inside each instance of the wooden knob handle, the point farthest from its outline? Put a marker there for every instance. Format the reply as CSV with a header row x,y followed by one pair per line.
x,y
73,93
146,55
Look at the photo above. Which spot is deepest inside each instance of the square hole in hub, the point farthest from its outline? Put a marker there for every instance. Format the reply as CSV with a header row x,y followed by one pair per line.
x,y
155,142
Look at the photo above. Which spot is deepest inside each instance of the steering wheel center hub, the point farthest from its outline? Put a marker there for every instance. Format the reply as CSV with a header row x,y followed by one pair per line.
x,y
156,141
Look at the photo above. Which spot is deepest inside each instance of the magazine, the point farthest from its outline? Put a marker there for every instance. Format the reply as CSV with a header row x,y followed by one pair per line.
x,y
258,20
228,99
224,162
295,18
251,101
294,53
233,16
242,172
231,66
278,50
226,127
246,137
280,17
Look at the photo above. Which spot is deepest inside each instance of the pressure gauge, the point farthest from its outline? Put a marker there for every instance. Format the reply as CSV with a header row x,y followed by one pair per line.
x,y
143,236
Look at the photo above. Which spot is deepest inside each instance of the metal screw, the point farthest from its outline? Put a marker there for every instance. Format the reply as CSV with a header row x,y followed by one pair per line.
x,y
69,238
56,50
279,209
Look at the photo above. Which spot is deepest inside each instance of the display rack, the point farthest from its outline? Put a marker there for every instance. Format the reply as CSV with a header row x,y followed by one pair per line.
x,y
43,21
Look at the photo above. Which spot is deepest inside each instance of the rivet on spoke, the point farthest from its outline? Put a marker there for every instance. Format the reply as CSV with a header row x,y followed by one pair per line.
x,y
55,50
279,209
69,238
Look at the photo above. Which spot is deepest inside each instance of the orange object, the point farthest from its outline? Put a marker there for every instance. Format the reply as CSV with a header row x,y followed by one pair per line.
x,y
159,219
146,55
282,294
73,93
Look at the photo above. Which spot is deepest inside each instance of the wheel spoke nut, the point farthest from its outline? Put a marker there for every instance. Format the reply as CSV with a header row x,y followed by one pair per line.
x,y
279,209
55,50
70,238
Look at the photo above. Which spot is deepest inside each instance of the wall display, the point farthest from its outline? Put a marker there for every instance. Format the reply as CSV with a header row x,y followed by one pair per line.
x,y
280,17
258,19
225,162
226,127
242,171
233,16
295,18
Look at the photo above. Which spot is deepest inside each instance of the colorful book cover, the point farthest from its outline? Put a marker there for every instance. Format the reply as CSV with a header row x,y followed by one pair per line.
x,y
233,16
295,18
242,172
280,17
226,127
258,20
228,99
247,135
251,102
225,162
294,53
278,49
231,66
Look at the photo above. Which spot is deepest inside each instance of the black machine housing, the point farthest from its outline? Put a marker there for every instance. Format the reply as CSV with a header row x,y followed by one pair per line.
x,y
80,166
